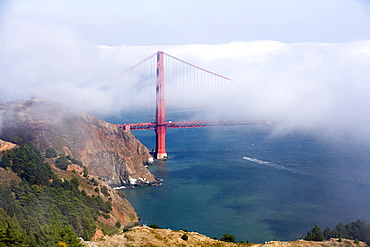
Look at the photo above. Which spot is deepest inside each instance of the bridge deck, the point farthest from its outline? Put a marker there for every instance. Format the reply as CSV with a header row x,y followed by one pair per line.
x,y
190,124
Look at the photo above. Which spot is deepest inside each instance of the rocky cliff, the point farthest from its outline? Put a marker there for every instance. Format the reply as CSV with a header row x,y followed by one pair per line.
x,y
108,151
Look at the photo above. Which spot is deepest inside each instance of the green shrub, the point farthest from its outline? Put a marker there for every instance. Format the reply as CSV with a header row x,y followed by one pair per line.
x,y
185,237
154,226
94,182
74,161
106,216
86,172
118,224
121,193
228,238
104,190
62,163
50,153
5,161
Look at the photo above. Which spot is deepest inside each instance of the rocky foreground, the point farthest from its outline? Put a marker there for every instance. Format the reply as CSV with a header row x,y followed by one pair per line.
x,y
146,236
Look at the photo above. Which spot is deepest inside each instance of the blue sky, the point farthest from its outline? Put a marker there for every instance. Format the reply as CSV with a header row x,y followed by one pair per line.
x,y
175,22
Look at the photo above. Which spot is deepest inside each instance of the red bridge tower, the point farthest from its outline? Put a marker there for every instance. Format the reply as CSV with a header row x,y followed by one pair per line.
x,y
160,129
160,125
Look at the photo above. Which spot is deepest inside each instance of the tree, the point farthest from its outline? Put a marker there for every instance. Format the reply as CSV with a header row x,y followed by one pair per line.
x,y
104,190
327,233
5,161
315,234
358,230
340,231
62,163
50,153
11,234
74,182
86,171
228,238
118,224
308,236
45,210
29,164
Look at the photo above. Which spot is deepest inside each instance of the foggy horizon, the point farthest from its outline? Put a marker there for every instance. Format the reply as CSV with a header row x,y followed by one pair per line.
x,y
305,65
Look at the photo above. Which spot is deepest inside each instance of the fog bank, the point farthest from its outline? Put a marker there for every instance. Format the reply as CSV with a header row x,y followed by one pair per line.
x,y
318,87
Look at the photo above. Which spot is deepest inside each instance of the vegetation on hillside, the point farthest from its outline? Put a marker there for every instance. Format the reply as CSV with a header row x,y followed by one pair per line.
x,y
44,210
359,231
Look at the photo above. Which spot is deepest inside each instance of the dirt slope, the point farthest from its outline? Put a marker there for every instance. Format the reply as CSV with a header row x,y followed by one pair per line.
x,y
6,145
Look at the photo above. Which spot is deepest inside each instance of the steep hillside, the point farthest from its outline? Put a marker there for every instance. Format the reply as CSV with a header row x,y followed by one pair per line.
x,y
122,211
108,151
42,204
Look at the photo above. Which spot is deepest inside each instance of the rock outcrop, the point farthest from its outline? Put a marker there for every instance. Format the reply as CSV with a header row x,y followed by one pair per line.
x,y
6,145
108,151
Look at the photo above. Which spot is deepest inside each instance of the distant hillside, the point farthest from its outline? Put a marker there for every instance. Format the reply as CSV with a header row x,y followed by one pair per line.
x,y
108,151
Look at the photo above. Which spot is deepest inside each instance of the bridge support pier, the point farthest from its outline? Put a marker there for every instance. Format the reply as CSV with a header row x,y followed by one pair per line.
x,y
161,110
161,142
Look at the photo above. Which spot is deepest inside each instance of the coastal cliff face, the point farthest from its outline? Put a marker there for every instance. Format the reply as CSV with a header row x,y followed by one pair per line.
x,y
108,151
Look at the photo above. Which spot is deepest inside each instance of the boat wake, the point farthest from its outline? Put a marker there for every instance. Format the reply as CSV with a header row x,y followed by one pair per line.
x,y
272,165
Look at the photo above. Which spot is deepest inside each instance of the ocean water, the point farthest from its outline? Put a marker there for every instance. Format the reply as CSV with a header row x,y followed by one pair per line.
x,y
243,181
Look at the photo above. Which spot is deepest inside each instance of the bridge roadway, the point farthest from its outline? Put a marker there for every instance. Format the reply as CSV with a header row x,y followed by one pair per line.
x,y
189,124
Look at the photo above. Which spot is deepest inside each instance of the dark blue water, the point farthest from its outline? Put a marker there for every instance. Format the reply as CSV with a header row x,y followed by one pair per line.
x,y
283,187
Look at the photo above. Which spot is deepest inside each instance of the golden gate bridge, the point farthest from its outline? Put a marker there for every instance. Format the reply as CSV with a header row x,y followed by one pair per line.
x,y
209,86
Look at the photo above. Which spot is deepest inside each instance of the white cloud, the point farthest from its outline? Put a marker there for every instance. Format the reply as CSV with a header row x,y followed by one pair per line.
x,y
311,86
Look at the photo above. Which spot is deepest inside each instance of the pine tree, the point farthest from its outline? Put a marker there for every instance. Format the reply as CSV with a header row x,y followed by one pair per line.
x,y
340,231
328,233
50,153
315,234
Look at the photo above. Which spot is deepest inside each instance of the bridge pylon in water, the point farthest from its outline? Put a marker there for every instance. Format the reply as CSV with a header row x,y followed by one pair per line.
x,y
160,127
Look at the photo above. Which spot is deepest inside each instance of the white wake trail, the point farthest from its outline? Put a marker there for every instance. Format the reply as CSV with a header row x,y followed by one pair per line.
x,y
272,165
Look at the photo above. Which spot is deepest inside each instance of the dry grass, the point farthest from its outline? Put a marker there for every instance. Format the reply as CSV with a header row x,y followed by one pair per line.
x,y
145,236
